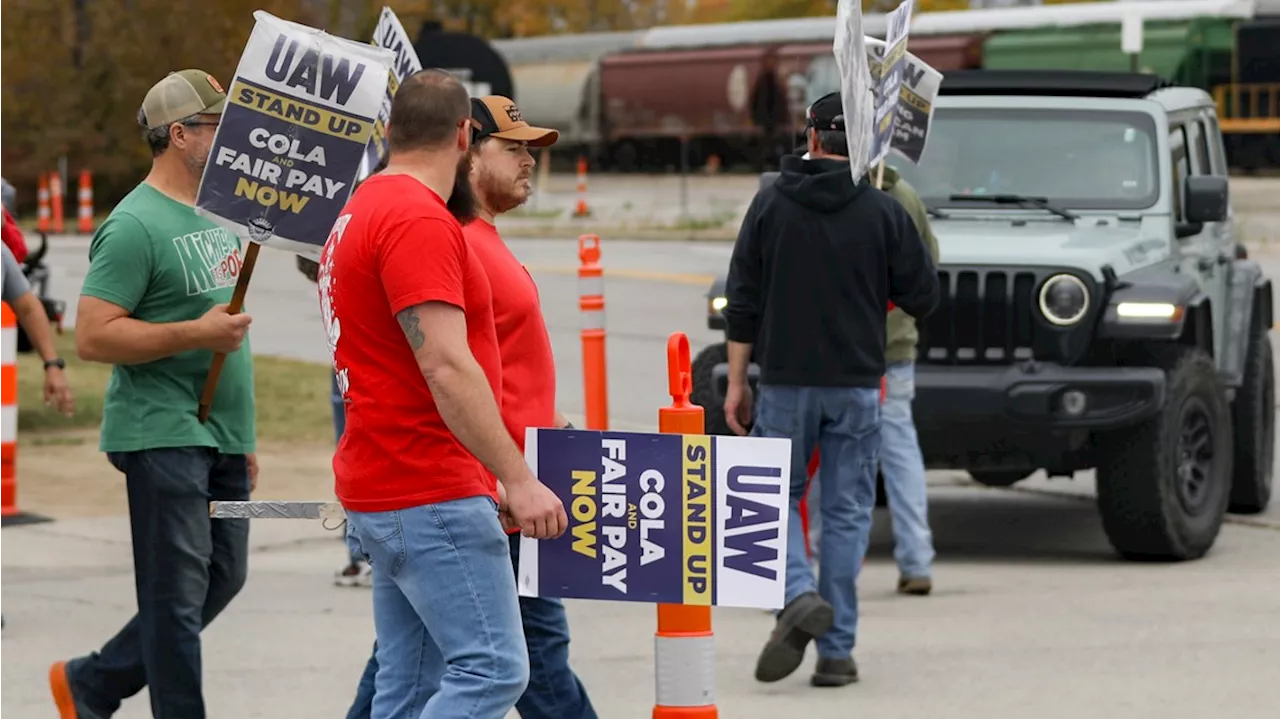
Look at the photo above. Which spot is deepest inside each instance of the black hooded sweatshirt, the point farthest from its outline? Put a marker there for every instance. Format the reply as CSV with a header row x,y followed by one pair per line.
x,y
817,261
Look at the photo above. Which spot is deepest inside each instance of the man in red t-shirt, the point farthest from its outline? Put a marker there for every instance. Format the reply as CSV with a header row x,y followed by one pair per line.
x,y
408,309
500,171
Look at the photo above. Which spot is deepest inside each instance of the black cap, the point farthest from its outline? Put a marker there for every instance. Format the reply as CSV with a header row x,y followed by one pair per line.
x,y
826,113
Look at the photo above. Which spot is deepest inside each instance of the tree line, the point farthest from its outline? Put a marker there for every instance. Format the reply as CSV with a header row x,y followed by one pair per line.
x,y
76,70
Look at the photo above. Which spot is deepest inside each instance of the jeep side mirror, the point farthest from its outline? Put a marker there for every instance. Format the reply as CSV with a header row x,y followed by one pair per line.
x,y
1205,198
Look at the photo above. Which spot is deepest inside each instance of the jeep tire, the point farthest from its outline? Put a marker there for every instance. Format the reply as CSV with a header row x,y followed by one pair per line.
x,y
1254,427
1163,486
703,393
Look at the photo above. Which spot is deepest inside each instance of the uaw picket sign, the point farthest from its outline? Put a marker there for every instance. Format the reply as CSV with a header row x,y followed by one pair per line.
x,y
888,77
920,83
300,113
661,518
389,34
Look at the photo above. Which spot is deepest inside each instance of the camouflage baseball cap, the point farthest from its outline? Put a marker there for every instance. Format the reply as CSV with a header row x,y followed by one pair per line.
x,y
181,94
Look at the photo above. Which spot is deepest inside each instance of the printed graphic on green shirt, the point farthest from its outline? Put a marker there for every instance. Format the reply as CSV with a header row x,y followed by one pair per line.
x,y
211,259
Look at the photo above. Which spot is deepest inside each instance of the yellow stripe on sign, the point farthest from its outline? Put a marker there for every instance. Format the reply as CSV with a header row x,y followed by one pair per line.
x,y
304,114
696,520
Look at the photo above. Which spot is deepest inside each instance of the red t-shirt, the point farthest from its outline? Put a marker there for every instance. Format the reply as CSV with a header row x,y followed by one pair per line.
x,y
528,363
13,237
395,245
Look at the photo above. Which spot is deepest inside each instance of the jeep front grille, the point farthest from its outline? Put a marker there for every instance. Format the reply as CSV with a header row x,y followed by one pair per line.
x,y
986,316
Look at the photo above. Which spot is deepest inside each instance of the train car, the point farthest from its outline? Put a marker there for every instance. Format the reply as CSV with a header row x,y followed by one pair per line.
x,y
628,100
557,83
693,84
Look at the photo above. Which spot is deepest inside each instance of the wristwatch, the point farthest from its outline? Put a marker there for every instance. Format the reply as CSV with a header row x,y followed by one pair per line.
x,y
55,362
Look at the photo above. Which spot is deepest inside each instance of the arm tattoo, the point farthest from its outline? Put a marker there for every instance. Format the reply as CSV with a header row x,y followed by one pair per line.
x,y
409,325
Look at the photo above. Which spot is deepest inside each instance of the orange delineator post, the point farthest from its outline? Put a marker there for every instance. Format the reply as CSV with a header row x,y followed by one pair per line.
x,y
595,374
8,412
55,200
85,210
684,656
42,197
581,210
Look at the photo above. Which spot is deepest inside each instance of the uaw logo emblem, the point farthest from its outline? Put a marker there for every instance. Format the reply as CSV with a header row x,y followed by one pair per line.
x,y
260,230
513,112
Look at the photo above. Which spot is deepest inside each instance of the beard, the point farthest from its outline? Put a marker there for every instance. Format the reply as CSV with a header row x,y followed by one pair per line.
x,y
501,196
462,202
195,162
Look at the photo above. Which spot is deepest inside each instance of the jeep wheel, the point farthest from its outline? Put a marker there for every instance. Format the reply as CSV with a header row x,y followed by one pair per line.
x,y
704,392
998,477
1254,416
1163,487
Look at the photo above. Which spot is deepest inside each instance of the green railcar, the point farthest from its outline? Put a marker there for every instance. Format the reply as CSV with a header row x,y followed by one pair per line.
x,y
1195,52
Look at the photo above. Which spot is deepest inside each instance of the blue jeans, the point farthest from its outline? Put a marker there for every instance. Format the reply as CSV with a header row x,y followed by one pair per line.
x,y
554,690
445,611
187,568
903,468
844,425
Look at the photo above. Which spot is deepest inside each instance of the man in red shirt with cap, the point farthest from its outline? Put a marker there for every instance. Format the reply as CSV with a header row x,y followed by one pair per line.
x,y
409,311
500,172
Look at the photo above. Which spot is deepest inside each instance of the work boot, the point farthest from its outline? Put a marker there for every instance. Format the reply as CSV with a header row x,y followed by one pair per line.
x,y
834,672
805,618
915,586
69,705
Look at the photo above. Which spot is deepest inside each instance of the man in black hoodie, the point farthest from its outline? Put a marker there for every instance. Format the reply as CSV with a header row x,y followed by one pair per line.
x,y
817,261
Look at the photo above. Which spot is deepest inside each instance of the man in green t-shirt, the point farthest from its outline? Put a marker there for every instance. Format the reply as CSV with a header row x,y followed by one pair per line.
x,y
154,305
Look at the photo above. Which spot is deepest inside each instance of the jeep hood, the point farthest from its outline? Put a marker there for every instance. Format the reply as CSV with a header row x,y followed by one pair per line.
x,y
1084,245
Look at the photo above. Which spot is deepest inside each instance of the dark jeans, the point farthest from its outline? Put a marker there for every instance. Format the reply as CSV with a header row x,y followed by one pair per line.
x,y
554,691
187,568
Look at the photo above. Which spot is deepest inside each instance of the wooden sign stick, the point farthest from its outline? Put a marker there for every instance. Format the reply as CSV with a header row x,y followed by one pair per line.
x,y
237,301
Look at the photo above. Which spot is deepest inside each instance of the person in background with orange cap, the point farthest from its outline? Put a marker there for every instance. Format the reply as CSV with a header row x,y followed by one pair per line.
x,y
154,304
501,168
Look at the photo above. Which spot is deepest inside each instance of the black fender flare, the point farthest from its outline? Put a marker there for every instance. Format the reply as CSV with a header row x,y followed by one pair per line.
x,y
1155,283
1250,301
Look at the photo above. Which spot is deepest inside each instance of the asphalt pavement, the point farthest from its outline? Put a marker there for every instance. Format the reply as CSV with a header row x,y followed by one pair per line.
x,y
1032,614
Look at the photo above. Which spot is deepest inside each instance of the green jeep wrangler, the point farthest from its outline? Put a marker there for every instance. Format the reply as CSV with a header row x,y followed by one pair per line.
x,y
1099,309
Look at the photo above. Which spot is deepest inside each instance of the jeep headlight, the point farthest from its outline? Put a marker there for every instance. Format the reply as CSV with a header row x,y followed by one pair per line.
x,y
1064,299
719,303
1149,311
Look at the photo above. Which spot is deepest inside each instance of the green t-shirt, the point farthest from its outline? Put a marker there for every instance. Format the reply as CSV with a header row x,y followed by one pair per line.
x,y
158,259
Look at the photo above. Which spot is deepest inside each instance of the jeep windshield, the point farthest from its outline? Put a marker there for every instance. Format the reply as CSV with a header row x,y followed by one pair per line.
x,y
1067,159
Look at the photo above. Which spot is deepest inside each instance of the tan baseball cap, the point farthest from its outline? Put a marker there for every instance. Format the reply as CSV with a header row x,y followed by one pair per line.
x,y
181,94
498,116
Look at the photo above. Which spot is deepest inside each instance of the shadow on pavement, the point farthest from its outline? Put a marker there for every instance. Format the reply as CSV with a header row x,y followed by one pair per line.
x,y
1000,526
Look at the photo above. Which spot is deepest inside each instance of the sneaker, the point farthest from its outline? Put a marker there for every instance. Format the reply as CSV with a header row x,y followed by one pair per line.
x,y
805,618
69,706
356,574
834,672
915,586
